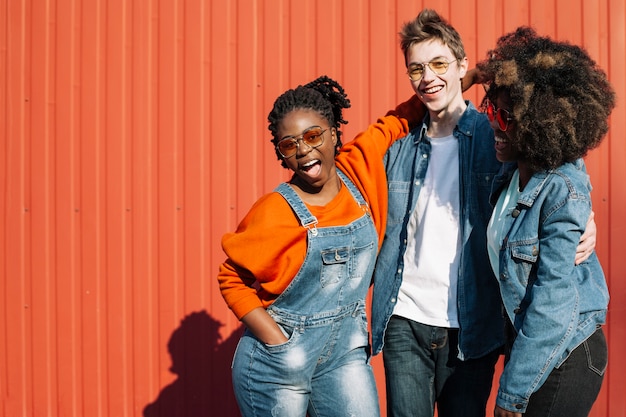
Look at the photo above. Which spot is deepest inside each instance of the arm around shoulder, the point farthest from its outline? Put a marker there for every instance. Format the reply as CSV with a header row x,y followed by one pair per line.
x,y
412,110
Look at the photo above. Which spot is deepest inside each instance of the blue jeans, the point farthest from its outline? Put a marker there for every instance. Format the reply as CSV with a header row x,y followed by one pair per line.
x,y
281,381
572,388
422,369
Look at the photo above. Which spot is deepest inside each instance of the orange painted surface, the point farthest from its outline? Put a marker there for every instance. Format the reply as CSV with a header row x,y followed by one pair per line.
x,y
134,135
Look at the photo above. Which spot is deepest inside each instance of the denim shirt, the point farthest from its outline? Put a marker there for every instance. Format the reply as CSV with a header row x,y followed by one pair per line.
x,y
553,304
478,298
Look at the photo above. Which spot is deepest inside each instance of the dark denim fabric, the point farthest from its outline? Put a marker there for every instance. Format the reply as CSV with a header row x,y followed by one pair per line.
x,y
422,369
572,388
478,302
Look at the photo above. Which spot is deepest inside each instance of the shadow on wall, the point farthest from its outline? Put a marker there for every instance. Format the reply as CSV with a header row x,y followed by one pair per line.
x,y
201,360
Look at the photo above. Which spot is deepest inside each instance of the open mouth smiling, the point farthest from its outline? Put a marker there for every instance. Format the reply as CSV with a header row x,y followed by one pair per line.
x,y
432,90
310,164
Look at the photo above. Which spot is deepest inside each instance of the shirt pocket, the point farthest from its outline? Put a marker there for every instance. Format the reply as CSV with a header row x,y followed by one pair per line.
x,y
525,255
399,192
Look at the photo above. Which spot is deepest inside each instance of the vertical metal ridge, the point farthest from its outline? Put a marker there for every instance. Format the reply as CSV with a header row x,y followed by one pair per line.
x,y
134,135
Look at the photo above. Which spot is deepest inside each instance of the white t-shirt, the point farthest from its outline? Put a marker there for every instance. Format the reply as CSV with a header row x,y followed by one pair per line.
x,y
428,293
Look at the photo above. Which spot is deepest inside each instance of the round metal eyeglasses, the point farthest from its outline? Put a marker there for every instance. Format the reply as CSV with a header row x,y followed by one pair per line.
x,y
415,71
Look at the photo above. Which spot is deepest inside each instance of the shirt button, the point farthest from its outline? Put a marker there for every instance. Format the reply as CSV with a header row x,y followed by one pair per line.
x,y
518,406
517,310
424,156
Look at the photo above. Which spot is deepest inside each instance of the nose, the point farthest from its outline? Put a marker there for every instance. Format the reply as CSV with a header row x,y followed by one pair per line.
x,y
428,73
302,148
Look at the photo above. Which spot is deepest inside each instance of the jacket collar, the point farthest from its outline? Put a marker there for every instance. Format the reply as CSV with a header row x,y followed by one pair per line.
x,y
465,125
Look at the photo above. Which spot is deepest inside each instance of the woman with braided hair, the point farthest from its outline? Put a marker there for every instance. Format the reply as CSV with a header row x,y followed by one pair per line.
x,y
300,263
548,103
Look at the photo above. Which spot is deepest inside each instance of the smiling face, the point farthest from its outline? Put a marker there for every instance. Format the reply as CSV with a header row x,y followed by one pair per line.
x,y
440,93
504,151
314,167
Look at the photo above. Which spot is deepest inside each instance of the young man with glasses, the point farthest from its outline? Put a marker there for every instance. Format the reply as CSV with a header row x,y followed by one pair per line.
x,y
436,304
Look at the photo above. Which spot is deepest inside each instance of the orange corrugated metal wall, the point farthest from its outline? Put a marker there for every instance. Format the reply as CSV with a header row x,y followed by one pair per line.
x,y
134,136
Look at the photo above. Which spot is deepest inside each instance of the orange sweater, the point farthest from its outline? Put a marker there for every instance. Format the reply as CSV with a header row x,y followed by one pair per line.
x,y
268,247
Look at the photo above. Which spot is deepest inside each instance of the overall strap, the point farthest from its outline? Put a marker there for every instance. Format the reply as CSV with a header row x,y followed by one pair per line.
x,y
307,219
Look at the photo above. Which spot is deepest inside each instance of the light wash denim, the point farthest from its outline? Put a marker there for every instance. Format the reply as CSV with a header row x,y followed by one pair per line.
x,y
323,369
553,304
478,298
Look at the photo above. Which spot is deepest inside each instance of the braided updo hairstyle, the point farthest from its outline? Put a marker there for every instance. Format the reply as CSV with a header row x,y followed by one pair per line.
x,y
323,95
561,98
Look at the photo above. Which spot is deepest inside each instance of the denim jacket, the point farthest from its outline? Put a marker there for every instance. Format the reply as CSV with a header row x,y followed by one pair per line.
x,y
478,298
553,304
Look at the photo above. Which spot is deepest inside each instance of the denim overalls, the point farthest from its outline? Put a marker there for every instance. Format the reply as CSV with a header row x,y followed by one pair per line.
x,y
323,368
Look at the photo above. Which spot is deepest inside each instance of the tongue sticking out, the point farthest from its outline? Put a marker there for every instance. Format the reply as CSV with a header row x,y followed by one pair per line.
x,y
313,170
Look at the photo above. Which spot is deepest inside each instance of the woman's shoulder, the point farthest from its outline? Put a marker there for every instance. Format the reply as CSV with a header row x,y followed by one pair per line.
x,y
574,176
268,211
556,186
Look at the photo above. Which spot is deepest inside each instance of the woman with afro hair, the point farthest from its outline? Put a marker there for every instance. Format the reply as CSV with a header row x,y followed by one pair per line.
x,y
300,263
548,103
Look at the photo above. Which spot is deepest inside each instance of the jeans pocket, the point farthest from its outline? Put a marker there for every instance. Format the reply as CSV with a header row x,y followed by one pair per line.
x,y
289,333
597,352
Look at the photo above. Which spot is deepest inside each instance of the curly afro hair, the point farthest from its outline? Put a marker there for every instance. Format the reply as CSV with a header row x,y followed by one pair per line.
x,y
561,98
323,95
